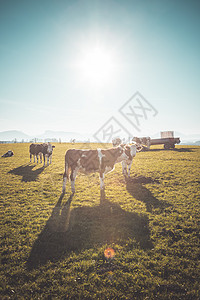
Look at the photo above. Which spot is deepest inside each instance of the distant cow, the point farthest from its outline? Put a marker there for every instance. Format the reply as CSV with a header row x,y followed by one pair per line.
x,y
41,149
145,141
100,160
9,153
116,142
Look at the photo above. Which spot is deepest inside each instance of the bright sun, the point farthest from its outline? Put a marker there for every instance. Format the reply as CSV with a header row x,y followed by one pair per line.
x,y
97,65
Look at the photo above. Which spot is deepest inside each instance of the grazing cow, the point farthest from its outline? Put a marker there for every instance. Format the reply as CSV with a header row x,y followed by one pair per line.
x,y
116,142
41,149
100,160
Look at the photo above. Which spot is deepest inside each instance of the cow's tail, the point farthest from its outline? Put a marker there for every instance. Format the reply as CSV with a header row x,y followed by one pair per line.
x,y
65,175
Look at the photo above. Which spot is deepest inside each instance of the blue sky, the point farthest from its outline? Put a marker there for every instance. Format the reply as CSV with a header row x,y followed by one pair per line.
x,y
71,65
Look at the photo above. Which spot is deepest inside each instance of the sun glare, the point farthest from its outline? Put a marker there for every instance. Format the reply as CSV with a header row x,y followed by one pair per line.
x,y
97,65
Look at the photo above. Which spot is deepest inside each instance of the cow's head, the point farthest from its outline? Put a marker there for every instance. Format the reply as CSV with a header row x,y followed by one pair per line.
x,y
50,149
128,151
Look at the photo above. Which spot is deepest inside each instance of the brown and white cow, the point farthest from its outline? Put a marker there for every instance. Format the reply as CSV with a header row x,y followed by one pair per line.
x,y
100,160
41,149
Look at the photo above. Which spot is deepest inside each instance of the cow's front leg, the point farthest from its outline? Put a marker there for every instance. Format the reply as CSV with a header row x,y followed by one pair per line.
x,y
102,185
34,158
73,178
124,168
37,158
30,157
44,159
40,157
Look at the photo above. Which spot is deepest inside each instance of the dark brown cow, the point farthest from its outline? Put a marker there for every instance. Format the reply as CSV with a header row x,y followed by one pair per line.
x,y
41,149
100,160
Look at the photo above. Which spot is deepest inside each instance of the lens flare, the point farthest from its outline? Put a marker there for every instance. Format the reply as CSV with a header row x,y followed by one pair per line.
x,y
109,253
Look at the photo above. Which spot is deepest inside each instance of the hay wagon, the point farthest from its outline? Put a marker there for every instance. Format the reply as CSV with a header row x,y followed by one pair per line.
x,y
167,139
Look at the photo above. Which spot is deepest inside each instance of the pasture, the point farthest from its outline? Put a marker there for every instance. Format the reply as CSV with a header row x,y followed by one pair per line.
x,y
151,222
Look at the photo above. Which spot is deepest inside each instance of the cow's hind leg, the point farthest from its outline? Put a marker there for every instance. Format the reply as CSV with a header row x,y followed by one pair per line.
x,y
65,177
64,183
101,177
30,157
73,178
124,168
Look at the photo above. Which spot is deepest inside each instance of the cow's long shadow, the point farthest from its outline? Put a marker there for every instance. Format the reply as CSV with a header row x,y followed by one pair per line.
x,y
27,172
135,186
175,149
88,226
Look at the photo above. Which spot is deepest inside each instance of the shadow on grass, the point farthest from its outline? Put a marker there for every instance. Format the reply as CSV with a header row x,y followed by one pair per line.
x,y
87,227
175,150
27,172
135,186
184,149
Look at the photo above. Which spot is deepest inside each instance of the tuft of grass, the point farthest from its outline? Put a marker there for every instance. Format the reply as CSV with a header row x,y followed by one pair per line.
x,y
150,221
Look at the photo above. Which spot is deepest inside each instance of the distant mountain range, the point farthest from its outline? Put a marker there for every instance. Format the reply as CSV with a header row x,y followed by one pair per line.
x,y
49,135
14,135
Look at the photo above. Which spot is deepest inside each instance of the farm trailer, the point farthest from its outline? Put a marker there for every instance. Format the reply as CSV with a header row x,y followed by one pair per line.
x,y
167,139
168,142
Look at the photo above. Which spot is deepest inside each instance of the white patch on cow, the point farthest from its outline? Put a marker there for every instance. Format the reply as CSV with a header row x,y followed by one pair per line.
x,y
100,155
73,180
108,169
64,184
102,186
79,163
133,150
83,155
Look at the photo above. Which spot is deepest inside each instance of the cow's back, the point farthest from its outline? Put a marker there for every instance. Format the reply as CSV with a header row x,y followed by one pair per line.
x,y
86,160
89,161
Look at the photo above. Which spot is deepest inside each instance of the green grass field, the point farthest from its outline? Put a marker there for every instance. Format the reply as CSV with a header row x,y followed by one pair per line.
x,y
151,222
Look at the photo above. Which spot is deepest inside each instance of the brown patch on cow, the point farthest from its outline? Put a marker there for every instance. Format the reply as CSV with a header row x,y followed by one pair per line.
x,y
110,157
87,159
